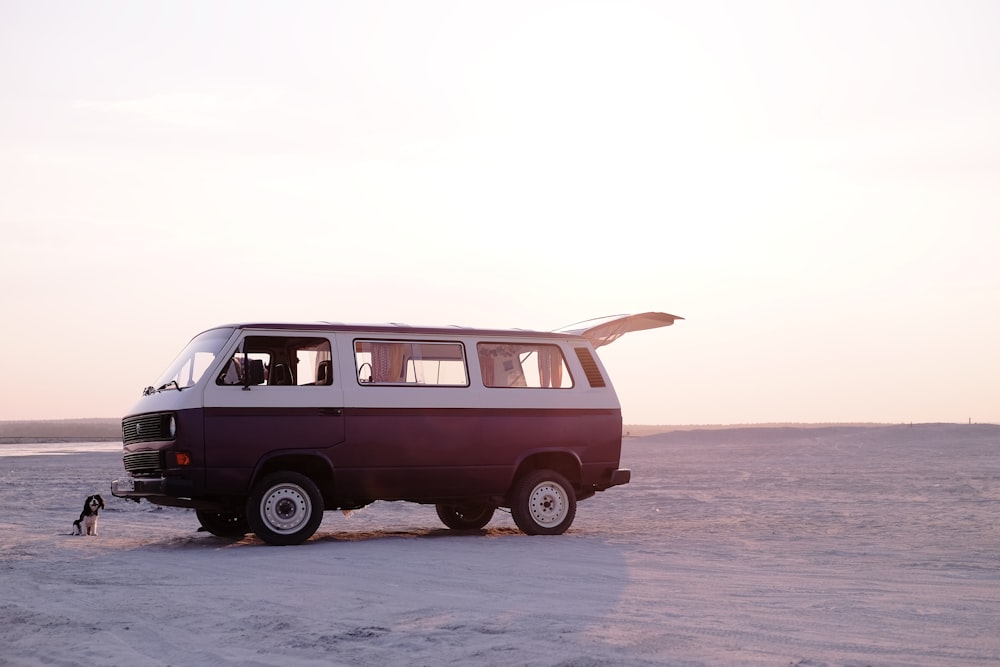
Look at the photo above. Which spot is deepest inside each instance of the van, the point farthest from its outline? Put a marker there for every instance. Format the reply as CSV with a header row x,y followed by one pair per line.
x,y
262,427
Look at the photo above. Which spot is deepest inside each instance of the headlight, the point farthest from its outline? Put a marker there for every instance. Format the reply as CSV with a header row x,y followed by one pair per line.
x,y
172,426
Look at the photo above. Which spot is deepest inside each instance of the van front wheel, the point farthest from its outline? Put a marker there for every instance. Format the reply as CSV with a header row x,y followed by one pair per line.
x,y
465,516
543,503
285,508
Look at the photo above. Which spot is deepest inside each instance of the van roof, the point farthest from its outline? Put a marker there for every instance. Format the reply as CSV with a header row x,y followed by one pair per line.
x,y
387,327
604,331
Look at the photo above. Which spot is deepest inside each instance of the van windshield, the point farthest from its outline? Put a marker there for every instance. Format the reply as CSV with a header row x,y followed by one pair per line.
x,y
191,364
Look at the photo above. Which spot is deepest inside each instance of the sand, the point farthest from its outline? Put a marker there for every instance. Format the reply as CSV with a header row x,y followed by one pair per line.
x,y
766,546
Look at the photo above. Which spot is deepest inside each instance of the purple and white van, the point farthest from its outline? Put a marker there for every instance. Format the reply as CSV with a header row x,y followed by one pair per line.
x,y
262,427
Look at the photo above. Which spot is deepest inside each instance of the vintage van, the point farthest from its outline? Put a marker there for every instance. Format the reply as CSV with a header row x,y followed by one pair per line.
x,y
262,427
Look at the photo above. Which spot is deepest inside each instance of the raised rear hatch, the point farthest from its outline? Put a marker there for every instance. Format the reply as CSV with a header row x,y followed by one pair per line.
x,y
609,329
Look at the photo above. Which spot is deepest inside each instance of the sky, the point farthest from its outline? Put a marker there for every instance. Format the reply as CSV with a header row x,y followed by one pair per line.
x,y
813,186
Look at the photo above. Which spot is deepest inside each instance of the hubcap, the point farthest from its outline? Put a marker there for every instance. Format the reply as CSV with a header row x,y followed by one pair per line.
x,y
548,504
286,508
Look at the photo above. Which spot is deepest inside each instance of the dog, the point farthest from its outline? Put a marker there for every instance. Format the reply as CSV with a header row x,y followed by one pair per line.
x,y
87,523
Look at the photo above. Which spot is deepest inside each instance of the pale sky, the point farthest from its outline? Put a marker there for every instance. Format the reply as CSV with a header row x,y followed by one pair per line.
x,y
814,186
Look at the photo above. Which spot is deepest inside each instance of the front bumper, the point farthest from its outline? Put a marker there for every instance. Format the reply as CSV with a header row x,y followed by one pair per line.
x,y
135,488
169,492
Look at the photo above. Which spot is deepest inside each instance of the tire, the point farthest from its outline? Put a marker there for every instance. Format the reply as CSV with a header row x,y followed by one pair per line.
x,y
543,503
285,508
468,515
223,524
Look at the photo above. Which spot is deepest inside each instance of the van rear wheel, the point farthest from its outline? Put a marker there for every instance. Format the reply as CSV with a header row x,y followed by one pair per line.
x,y
465,516
285,508
543,503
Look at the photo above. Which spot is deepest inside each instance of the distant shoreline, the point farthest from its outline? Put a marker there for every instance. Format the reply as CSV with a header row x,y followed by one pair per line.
x,y
641,430
60,430
109,429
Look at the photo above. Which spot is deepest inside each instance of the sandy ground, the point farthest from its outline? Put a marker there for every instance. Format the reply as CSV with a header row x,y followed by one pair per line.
x,y
765,546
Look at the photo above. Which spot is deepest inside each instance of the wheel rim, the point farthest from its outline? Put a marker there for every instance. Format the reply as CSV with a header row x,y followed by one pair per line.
x,y
286,508
548,504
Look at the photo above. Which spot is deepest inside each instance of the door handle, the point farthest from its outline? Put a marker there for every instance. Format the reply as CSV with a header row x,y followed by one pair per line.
x,y
331,412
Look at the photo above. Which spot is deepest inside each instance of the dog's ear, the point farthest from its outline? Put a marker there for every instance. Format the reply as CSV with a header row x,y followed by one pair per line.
x,y
100,501
86,503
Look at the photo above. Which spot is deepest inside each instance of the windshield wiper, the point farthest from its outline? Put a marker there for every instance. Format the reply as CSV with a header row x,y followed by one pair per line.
x,y
156,390
167,386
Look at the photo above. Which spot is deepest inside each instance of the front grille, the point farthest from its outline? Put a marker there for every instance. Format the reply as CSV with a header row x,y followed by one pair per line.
x,y
144,463
146,428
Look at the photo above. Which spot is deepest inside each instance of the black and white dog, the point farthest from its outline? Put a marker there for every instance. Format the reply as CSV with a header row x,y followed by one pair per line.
x,y
87,523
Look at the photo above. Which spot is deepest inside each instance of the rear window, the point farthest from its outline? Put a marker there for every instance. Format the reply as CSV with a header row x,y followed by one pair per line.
x,y
528,365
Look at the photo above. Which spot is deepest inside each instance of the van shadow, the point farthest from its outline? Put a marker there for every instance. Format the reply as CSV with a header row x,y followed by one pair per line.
x,y
204,540
411,533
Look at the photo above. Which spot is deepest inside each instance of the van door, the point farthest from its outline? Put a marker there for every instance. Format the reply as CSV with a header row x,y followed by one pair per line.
x,y
276,392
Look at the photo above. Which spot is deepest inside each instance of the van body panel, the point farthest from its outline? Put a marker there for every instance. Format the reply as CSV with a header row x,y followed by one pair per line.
x,y
242,437
170,400
422,454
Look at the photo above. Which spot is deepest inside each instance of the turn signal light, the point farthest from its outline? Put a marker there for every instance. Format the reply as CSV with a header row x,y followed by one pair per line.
x,y
183,459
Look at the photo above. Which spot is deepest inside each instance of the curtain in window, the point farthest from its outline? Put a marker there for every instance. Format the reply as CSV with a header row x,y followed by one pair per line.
x,y
549,366
486,367
503,360
387,362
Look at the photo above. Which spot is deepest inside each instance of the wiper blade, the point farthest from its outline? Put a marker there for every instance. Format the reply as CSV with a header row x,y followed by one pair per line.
x,y
156,390
167,386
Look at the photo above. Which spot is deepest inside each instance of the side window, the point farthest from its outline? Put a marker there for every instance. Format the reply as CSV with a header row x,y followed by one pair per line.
x,y
279,361
250,368
410,363
314,366
530,365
